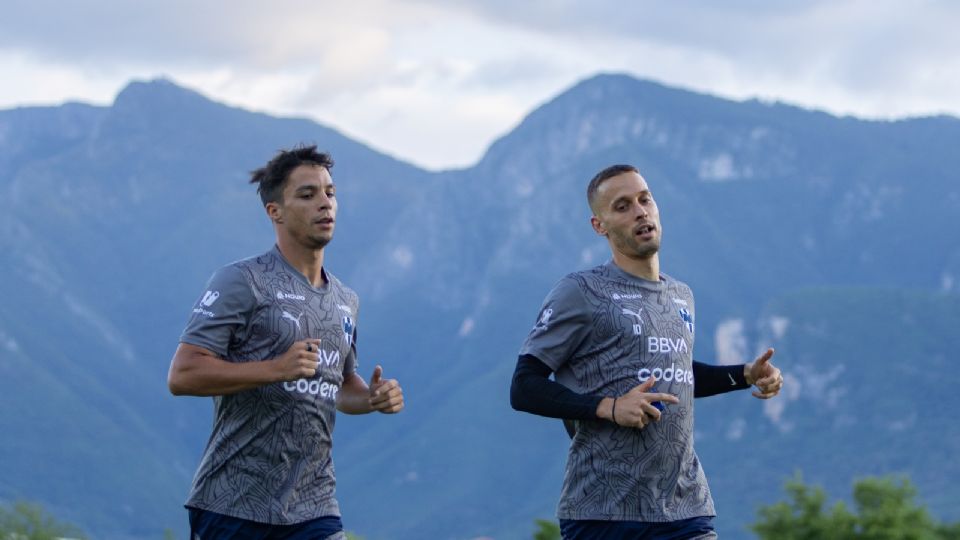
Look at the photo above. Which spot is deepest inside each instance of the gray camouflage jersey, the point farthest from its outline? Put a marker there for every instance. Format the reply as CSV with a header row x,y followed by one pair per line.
x,y
269,456
604,331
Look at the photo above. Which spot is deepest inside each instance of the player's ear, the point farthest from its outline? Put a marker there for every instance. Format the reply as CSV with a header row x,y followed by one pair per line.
x,y
598,226
274,212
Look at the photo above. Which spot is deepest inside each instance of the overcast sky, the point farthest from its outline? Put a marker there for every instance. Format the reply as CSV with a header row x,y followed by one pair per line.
x,y
436,81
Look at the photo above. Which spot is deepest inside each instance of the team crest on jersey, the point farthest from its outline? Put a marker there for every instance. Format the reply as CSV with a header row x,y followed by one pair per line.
x,y
348,329
687,318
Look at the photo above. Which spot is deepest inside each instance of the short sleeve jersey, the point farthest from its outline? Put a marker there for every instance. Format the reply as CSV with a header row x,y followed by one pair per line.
x,y
269,457
603,332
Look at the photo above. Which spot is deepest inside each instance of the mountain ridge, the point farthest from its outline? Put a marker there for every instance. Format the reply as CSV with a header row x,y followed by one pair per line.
x,y
110,235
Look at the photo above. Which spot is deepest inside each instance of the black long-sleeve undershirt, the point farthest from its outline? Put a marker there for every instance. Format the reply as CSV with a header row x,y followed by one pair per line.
x,y
710,380
532,390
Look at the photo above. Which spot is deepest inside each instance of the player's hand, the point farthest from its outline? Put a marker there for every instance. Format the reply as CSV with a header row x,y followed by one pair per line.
x,y
764,375
386,395
635,408
299,362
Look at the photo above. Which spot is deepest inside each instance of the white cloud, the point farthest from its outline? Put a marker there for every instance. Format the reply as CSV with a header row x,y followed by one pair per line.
x,y
466,327
736,429
28,82
774,408
730,342
402,256
820,387
779,326
8,343
435,82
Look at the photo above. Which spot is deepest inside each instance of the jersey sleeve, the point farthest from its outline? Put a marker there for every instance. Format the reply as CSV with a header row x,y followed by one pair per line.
x,y
222,309
562,326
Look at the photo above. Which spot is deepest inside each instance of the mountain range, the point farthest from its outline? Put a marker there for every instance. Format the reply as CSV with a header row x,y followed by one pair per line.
x,y
833,239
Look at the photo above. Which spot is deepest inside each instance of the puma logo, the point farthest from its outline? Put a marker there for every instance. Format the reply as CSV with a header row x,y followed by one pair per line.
x,y
638,326
296,320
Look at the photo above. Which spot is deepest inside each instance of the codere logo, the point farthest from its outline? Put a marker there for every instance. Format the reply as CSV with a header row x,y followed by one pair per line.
x,y
672,373
318,386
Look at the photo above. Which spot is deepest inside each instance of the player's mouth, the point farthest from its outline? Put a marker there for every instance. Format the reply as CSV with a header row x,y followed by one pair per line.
x,y
324,221
645,231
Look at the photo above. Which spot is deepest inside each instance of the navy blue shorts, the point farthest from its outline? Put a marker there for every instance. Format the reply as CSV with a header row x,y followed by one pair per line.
x,y
698,528
206,525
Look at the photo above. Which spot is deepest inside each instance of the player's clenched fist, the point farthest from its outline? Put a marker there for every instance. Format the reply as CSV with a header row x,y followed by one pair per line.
x,y
299,362
637,407
386,395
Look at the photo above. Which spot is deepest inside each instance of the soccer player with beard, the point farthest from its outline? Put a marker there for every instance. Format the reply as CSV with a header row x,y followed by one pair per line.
x,y
619,338
273,341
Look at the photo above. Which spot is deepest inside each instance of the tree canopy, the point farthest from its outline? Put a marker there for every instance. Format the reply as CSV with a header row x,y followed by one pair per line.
x,y
883,509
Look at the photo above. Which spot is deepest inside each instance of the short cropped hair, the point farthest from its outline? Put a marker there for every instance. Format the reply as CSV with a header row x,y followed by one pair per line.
x,y
602,176
272,177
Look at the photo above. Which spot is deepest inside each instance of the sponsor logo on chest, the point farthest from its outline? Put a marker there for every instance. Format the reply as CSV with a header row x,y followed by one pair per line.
x,y
666,345
290,296
670,374
318,386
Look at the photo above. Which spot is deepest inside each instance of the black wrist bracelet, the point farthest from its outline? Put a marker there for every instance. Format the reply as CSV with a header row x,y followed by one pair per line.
x,y
613,411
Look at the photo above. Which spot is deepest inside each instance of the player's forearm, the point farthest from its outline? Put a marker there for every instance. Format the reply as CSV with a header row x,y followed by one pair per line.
x,y
197,374
354,396
605,409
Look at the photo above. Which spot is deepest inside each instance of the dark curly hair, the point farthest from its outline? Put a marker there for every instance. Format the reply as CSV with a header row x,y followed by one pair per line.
x,y
271,178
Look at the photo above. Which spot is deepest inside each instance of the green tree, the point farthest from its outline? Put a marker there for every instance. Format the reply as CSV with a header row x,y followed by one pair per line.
x,y
887,511
949,532
546,530
884,510
29,521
